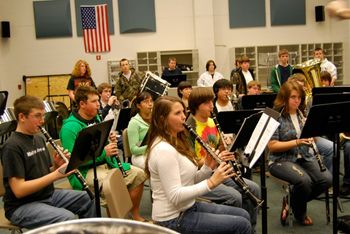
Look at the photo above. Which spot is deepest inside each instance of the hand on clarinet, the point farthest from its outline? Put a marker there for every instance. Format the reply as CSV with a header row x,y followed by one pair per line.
x,y
223,172
58,160
111,149
227,156
304,141
113,137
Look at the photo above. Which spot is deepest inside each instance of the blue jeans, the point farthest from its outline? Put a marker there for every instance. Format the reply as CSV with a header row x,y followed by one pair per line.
x,y
62,206
307,179
325,147
229,193
346,179
210,218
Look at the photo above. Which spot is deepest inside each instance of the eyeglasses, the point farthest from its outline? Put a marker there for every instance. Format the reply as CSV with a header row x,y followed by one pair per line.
x,y
37,116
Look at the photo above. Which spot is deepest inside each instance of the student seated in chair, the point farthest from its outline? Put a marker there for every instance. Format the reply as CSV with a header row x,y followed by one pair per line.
x,y
87,113
138,128
290,157
30,199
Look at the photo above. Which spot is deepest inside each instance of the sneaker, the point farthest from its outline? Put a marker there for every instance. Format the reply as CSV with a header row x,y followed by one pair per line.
x,y
344,190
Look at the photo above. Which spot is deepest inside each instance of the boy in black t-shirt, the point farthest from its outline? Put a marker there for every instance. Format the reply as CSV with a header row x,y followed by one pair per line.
x,y
30,199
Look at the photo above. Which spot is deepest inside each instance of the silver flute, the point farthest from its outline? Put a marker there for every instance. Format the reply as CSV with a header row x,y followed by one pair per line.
x,y
236,178
61,154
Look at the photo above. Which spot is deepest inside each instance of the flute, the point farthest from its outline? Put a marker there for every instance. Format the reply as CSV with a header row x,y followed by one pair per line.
x,y
314,147
236,178
76,171
236,166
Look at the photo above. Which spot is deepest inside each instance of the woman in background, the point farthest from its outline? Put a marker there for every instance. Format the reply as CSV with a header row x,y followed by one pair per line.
x,y
184,90
176,180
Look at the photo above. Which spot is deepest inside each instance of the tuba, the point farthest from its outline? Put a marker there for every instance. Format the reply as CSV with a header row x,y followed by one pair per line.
x,y
311,69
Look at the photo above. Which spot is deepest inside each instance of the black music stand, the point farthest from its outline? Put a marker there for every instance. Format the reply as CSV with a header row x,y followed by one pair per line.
x,y
331,89
3,100
231,121
245,133
123,119
322,98
329,119
258,101
94,136
174,80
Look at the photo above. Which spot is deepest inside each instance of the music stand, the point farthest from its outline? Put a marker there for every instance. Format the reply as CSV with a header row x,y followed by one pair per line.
x,y
255,126
94,136
322,98
3,101
331,89
123,119
236,119
258,101
174,80
331,119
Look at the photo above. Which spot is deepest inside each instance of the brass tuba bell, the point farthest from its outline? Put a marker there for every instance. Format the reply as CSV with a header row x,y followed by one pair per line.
x,y
311,69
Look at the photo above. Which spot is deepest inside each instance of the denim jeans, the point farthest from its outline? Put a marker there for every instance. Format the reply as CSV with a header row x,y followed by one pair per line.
x,y
307,179
230,194
62,206
205,217
325,148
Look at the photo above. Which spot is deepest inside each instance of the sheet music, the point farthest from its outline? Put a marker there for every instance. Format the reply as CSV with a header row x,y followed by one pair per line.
x,y
256,133
266,136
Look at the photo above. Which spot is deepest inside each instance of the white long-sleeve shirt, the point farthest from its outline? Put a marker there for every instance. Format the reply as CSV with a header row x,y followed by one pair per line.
x,y
175,181
207,80
330,67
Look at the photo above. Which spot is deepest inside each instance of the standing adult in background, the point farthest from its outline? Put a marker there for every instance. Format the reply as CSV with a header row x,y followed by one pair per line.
x,y
290,157
172,69
325,64
81,76
87,114
245,75
237,67
176,180
138,128
208,78
281,72
128,82
30,199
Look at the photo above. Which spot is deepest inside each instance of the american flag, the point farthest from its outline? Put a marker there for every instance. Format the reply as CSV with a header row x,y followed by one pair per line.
x,y
95,28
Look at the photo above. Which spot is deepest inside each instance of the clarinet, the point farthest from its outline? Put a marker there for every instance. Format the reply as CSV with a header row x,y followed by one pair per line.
x,y
236,178
314,147
236,166
60,153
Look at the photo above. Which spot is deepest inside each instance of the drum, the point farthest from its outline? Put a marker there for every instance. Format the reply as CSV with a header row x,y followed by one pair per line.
x,y
155,85
101,226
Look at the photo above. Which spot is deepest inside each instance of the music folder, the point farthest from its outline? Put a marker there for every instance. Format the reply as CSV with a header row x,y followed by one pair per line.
x,y
89,144
255,133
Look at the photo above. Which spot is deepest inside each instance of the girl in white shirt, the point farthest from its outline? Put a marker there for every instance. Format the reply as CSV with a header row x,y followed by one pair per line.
x,y
176,180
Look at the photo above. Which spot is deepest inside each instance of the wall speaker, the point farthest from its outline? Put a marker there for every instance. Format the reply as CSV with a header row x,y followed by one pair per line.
x,y
5,29
319,13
